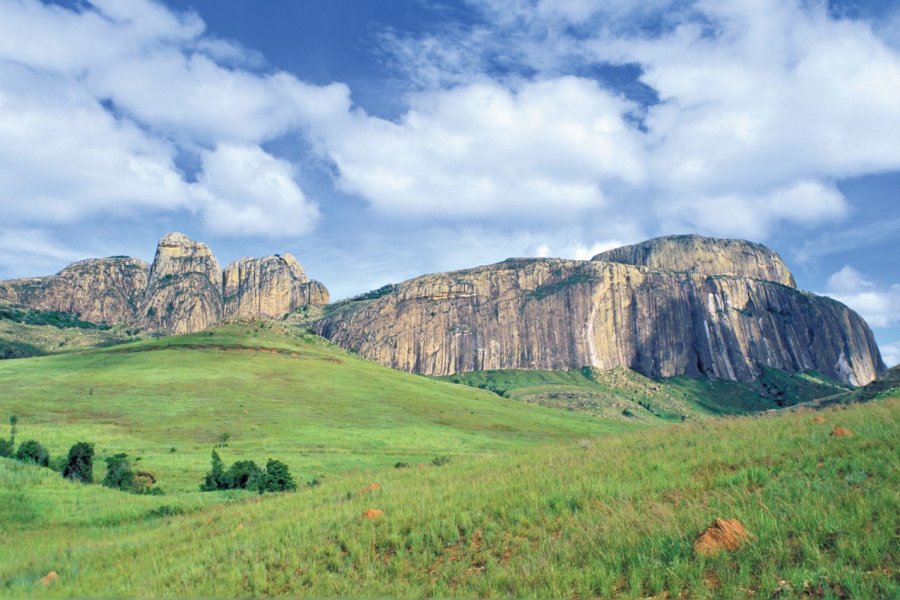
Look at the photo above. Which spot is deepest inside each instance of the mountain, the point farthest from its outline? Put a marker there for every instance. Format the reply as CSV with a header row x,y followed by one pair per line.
x,y
183,291
682,305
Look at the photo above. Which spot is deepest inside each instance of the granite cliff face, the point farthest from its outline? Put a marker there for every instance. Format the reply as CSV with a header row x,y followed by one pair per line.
x,y
671,317
269,287
704,255
100,290
183,291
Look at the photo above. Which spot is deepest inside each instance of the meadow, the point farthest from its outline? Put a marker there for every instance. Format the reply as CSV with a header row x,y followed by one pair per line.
x,y
534,501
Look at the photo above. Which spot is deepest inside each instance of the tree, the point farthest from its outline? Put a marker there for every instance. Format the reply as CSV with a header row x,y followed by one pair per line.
x,y
215,479
80,463
118,473
277,478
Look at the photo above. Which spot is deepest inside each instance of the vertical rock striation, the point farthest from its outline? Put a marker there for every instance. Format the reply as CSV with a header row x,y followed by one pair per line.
x,y
269,287
183,291
662,322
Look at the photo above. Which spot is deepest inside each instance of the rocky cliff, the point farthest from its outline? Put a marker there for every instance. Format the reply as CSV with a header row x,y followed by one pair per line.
x,y
704,255
270,287
100,290
669,314
183,291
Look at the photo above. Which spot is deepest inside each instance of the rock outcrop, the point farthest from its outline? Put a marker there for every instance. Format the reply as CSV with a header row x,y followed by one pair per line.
x,y
662,322
709,256
269,287
99,290
183,291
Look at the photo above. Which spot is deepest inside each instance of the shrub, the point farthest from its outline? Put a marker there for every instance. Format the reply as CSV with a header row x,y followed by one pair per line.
x,y
242,475
33,451
277,478
80,463
440,461
6,448
119,475
401,465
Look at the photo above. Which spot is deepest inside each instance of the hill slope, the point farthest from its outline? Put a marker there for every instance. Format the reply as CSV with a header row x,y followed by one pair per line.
x,y
613,517
276,392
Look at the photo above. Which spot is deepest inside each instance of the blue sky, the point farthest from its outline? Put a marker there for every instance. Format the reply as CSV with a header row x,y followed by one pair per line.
x,y
378,140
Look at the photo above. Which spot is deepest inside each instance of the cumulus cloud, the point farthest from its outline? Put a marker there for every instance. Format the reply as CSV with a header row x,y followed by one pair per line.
x,y
482,150
247,191
762,106
878,305
99,101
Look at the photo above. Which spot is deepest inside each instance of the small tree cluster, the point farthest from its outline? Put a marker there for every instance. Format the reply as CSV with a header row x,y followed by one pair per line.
x,y
246,475
80,463
120,475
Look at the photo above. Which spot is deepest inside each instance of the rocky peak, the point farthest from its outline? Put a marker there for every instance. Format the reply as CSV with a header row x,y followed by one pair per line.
x,y
183,291
708,256
177,255
270,286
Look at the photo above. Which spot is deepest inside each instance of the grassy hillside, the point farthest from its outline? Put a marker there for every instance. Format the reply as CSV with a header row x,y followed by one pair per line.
x,y
626,395
278,394
27,332
614,517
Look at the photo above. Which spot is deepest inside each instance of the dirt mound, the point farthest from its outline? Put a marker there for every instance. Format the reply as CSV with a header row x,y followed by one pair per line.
x,y
841,432
372,513
722,535
49,578
372,487
817,420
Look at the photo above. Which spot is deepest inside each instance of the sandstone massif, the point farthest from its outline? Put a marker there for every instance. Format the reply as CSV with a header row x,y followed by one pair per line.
x,y
682,305
183,291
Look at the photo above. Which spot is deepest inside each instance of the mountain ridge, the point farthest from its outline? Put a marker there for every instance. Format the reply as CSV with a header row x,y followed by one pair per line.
x,y
558,314
184,290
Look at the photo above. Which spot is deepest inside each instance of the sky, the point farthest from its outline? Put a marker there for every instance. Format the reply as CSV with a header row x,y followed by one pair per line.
x,y
379,140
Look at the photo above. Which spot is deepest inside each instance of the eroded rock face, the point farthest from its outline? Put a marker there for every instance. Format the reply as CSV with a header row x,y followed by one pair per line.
x,y
182,292
269,287
559,314
100,290
709,256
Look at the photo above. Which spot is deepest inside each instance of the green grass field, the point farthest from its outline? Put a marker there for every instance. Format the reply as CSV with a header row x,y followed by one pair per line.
x,y
535,501
626,395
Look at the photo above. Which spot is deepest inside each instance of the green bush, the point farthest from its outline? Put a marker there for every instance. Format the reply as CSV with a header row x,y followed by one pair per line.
x,y
440,461
277,478
80,463
119,474
33,451
242,475
6,448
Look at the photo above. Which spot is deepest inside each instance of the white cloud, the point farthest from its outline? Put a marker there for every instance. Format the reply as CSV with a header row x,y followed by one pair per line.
x,y
479,150
97,102
764,104
878,305
891,354
749,216
248,192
